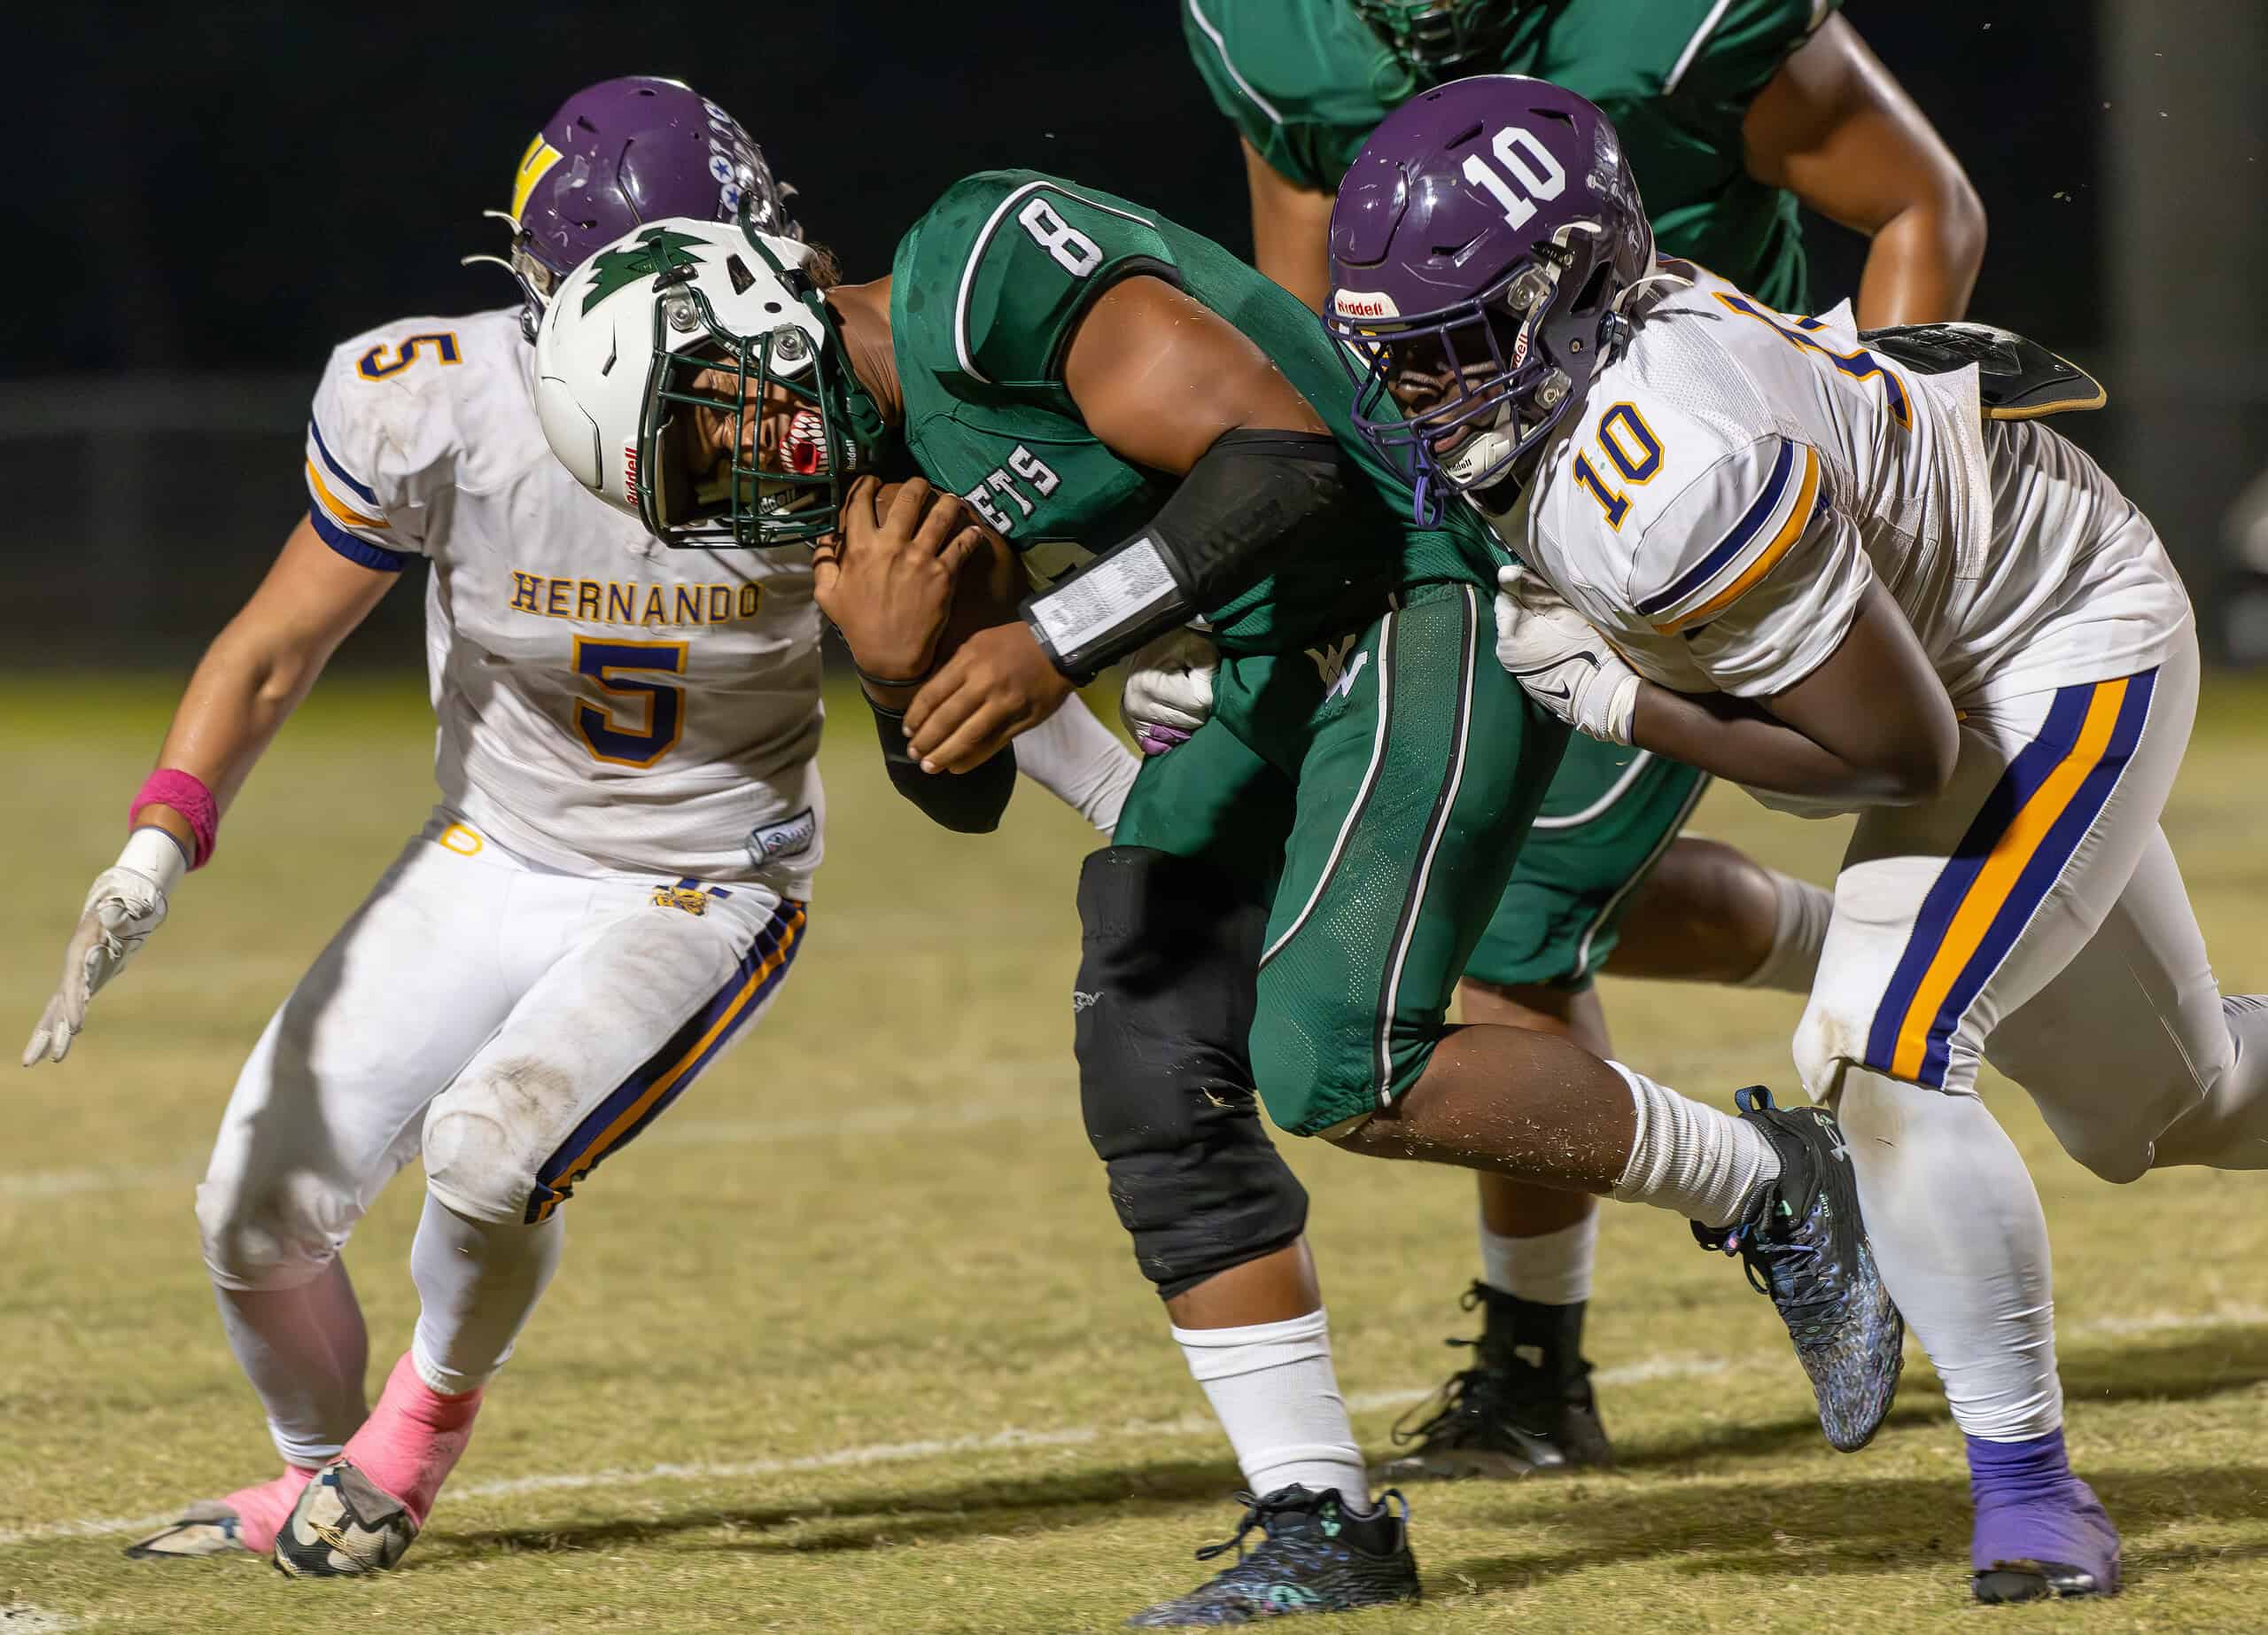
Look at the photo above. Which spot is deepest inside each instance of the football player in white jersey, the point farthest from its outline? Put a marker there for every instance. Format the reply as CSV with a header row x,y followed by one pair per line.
x,y
612,887
1853,574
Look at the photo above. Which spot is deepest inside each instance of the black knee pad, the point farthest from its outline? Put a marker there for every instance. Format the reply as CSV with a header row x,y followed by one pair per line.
x,y
1164,1010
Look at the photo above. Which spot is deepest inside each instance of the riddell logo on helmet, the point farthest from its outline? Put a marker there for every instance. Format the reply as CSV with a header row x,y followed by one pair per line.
x,y
630,468
1364,304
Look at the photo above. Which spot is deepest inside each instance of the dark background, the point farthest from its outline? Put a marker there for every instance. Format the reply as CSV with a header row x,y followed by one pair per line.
x,y
246,190
204,204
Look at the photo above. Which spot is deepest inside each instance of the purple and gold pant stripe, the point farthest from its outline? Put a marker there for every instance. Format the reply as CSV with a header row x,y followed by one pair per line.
x,y
1995,881
661,1078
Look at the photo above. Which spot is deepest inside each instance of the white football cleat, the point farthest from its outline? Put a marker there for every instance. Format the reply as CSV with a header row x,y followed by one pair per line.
x,y
344,1525
206,1528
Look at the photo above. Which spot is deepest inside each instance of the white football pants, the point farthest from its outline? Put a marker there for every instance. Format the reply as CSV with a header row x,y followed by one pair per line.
x,y
515,1026
2033,917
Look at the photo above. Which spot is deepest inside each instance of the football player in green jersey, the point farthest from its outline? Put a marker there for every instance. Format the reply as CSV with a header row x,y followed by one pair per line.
x,y
1101,385
1731,112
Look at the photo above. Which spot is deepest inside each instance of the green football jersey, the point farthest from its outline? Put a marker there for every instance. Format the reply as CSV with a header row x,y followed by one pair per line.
x,y
1307,81
985,293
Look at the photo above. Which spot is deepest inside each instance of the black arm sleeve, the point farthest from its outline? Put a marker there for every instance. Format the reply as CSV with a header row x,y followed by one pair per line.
x,y
1250,502
967,803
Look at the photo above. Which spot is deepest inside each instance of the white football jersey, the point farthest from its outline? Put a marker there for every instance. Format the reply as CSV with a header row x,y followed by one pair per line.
x,y
604,703
1736,479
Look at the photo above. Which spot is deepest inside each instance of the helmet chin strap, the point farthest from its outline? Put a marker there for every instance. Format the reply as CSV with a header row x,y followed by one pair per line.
x,y
1487,448
1497,495
1659,275
532,299
1482,451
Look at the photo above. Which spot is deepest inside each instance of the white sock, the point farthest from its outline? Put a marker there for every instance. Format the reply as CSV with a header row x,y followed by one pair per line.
x,y
1552,1268
1962,1246
1797,938
1690,1159
1275,1392
304,1350
1080,762
477,1284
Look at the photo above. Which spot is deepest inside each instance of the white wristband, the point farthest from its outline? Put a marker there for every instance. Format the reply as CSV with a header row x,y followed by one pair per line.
x,y
1622,709
150,850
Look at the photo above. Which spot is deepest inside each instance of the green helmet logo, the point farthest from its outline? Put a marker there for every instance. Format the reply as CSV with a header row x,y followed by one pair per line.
x,y
657,249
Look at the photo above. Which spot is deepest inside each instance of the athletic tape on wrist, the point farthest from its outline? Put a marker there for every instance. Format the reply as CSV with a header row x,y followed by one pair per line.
x,y
1251,501
1115,604
186,793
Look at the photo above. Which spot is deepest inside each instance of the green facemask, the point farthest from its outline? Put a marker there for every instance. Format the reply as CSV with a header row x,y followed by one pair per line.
x,y
691,499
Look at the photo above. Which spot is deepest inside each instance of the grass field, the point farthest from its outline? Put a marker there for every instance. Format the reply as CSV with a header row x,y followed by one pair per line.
x,y
852,1342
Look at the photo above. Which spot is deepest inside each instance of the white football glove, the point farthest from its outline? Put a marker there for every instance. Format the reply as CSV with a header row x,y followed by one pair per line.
x,y
1168,692
127,903
1561,662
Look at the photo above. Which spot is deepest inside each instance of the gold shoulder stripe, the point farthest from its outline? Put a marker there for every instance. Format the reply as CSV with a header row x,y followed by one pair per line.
x,y
337,507
1766,560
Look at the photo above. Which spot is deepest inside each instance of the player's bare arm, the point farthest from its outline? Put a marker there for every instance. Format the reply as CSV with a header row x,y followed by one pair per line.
x,y
1161,380
1291,229
1836,129
1872,726
264,661
243,691
1160,377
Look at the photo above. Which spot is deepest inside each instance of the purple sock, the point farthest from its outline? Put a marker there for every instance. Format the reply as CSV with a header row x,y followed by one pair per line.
x,y
2030,1508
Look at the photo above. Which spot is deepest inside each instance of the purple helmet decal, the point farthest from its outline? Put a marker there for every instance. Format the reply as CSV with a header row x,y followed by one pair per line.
x,y
1480,247
626,152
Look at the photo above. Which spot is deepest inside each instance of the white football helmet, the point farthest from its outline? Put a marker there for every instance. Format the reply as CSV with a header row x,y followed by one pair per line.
x,y
682,315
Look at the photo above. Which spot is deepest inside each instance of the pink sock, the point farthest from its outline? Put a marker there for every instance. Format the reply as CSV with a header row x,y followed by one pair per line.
x,y
261,1510
413,1438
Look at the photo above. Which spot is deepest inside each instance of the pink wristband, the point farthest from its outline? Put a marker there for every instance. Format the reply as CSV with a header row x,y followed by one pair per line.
x,y
185,793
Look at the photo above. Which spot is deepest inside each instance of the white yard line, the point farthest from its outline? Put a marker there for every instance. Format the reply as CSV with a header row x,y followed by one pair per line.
x,y
28,1185
23,1618
1665,1366
32,1185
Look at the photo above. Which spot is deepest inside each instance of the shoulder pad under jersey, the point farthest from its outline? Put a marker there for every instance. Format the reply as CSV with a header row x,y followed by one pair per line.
x,y
1009,261
2016,378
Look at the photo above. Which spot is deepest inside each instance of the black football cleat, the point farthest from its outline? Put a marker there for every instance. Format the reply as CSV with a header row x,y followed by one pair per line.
x,y
1314,1556
1523,1408
1805,1246
344,1525
2012,1582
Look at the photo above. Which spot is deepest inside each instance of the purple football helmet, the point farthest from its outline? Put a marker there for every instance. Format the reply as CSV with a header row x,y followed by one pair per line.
x,y
1481,248
622,153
